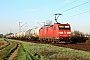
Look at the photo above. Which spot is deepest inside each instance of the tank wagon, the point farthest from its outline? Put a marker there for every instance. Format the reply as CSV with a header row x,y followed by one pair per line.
x,y
8,36
22,35
17,35
56,33
32,33
27,34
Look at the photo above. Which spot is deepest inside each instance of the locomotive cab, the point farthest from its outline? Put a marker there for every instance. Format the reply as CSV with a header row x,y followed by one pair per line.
x,y
62,32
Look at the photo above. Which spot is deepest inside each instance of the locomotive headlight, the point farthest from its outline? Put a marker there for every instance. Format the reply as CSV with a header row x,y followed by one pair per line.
x,y
61,32
68,35
60,35
68,32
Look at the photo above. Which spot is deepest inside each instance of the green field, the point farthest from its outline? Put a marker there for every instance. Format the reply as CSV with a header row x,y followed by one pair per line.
x,y
35,51
2,40
7,49
3,46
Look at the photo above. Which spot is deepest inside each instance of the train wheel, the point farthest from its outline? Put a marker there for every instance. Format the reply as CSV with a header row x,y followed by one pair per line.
x,y
40,39
52,40
49,40
44,40
57,41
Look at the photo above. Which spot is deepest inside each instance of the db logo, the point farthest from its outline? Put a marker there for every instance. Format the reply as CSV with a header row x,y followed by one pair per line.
x,y
64,32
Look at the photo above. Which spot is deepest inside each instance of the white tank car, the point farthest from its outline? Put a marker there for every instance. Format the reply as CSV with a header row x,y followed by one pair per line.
x,y
22,34
27,34
32,33
35,32
8,36
17,35
14,35
11,36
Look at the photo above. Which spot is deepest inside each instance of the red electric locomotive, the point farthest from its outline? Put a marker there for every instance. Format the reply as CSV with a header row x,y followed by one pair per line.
x,y
56,33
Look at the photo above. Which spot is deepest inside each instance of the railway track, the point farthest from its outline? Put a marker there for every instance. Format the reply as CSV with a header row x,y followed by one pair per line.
x,y
77,46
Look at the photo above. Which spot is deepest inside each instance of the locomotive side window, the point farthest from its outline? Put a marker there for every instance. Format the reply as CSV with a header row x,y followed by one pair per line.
x,y
64,27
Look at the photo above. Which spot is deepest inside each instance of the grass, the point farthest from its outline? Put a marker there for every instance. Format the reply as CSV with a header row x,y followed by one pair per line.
x,y
23,54
5,53
3,46
49,52
54,52
3,40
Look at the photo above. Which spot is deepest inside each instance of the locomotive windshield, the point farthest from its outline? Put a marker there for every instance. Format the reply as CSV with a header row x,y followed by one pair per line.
x,y
64,27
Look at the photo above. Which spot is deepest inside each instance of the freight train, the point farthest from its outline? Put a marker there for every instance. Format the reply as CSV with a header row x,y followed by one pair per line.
x,y
55,33
50,33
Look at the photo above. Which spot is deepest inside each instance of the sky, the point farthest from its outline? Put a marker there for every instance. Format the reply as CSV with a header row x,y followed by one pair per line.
x,y
32,12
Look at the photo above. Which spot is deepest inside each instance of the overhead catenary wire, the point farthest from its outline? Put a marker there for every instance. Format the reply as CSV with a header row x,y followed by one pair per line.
x,y
77,14
78,9
76,6
72,7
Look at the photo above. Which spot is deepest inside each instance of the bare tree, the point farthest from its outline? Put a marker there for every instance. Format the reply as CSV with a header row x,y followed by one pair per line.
x,y
48,22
